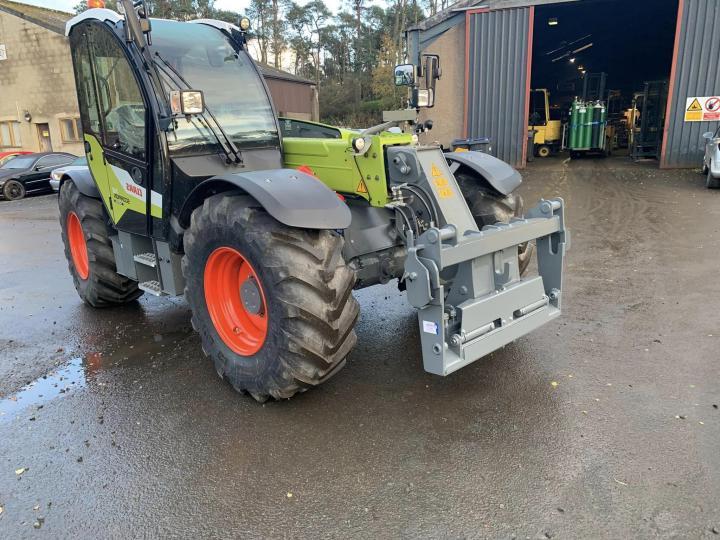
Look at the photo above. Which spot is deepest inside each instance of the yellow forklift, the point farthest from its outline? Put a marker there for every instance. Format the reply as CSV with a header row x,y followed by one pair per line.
x,y
547,137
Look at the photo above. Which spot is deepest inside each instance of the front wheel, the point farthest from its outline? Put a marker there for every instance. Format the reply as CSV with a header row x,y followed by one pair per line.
x,y
89,251
13,190
544,151
488,207
272,303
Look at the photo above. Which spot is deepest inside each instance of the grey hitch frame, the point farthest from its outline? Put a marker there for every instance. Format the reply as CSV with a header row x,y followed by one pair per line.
x,y
468,289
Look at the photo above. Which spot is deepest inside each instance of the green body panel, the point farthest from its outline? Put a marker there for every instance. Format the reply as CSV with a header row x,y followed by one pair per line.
x,y
119,196
336,164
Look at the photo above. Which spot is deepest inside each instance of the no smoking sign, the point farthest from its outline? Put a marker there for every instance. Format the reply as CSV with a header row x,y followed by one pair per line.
x,y
702,109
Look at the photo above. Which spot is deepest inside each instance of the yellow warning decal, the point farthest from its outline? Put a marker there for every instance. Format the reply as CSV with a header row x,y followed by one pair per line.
x,y
435,171
695,106
362,188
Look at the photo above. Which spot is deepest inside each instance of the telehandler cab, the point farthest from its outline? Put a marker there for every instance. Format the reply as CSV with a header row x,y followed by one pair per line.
x,y
266,225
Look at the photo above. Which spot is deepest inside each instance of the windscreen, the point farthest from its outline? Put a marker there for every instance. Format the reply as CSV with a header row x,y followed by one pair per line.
x,y
207,60
18,163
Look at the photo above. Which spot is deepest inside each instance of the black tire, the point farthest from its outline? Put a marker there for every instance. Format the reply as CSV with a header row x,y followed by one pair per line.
x,y
711,182
13,190
103,286
488,207
307,288
544,151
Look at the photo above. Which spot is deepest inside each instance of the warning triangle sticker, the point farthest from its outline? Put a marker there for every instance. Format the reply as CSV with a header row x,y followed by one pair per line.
x,y
361,188
435,171
695,106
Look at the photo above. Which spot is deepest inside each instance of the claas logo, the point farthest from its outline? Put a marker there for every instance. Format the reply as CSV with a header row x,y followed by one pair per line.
x,y
134,189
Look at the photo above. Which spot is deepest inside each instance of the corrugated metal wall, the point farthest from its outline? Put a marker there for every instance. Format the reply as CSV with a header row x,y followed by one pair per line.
x,y
497,80
697,73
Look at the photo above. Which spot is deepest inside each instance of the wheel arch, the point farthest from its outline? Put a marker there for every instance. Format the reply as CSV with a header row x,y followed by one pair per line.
x,y
489,170
292,197
83,180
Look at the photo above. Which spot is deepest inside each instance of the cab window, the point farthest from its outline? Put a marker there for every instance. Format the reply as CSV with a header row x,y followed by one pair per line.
x,y
89,115
297,128
120,102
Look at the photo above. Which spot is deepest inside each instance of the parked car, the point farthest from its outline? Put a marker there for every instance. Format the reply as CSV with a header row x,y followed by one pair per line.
x,y
57,174
30,173
711,160
6,156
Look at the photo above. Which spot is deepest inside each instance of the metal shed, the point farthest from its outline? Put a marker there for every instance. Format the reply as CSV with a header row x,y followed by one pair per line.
x,y
486,52
294,97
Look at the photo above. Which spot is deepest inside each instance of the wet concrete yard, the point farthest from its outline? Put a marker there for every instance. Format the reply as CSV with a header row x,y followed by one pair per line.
x,y
603,424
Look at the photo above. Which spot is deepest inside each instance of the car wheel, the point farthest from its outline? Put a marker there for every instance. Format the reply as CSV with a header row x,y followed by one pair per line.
x,y
711,182
13,190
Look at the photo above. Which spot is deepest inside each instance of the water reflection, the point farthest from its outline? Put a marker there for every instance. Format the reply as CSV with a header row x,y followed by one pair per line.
x,y
64,380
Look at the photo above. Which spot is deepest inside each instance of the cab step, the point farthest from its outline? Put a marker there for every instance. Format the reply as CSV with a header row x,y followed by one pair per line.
x,y
148,259
152,287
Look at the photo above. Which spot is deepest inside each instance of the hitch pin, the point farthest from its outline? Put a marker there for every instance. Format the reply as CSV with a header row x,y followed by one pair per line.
x,y
457,339
532,307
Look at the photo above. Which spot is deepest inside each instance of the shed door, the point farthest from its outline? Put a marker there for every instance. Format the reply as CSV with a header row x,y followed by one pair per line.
x,y
499,47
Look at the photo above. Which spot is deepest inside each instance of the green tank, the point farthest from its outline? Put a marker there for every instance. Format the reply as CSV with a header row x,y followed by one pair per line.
x,y
583,117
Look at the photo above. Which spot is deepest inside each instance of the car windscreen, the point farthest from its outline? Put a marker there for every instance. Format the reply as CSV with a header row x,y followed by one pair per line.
x,y
19,163
234,93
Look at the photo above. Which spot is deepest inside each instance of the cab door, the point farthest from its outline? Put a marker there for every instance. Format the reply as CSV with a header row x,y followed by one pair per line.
x,y
89,112
123,125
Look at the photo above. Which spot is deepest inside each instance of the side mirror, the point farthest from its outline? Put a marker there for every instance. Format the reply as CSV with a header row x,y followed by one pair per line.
x,y
707,135
38,168
432,70
405,75
187,102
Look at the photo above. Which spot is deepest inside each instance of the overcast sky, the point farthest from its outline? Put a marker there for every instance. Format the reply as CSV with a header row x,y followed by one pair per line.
x,y
231,5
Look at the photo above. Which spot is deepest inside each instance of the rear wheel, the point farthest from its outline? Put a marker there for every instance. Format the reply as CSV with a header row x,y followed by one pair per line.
x,y
13,190
89,251
489,207
272,303
543,151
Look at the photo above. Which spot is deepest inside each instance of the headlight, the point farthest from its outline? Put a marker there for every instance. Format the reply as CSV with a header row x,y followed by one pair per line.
x,y
358,144
55,176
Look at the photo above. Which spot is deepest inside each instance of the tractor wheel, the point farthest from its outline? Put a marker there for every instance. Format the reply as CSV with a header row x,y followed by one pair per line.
x,y
13,190
89,251
489,206
272,303
711,182
543,151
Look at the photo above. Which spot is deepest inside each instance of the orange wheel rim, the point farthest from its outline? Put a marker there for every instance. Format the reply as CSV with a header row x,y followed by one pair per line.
x,y
236,301
78,246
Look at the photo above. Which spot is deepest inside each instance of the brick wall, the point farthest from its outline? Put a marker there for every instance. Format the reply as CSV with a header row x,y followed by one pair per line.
x,y
36,77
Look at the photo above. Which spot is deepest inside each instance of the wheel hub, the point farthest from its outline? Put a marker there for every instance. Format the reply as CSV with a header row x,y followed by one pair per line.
x,y
250,295
235,301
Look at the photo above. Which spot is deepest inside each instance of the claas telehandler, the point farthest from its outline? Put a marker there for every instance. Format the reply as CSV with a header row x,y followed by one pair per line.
x,y
266,225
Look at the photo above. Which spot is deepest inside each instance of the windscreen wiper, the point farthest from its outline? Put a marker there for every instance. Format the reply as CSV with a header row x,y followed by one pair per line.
x,y
228,146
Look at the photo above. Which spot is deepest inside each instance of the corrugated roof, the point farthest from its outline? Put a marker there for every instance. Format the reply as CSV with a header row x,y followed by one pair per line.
x,y
445,14
270,72
47,18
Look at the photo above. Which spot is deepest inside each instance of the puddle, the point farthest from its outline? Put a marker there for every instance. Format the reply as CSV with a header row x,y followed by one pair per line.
x,y
61,382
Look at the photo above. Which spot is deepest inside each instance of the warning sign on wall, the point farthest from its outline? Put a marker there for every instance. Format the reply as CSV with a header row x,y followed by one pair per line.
x,y
702,109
